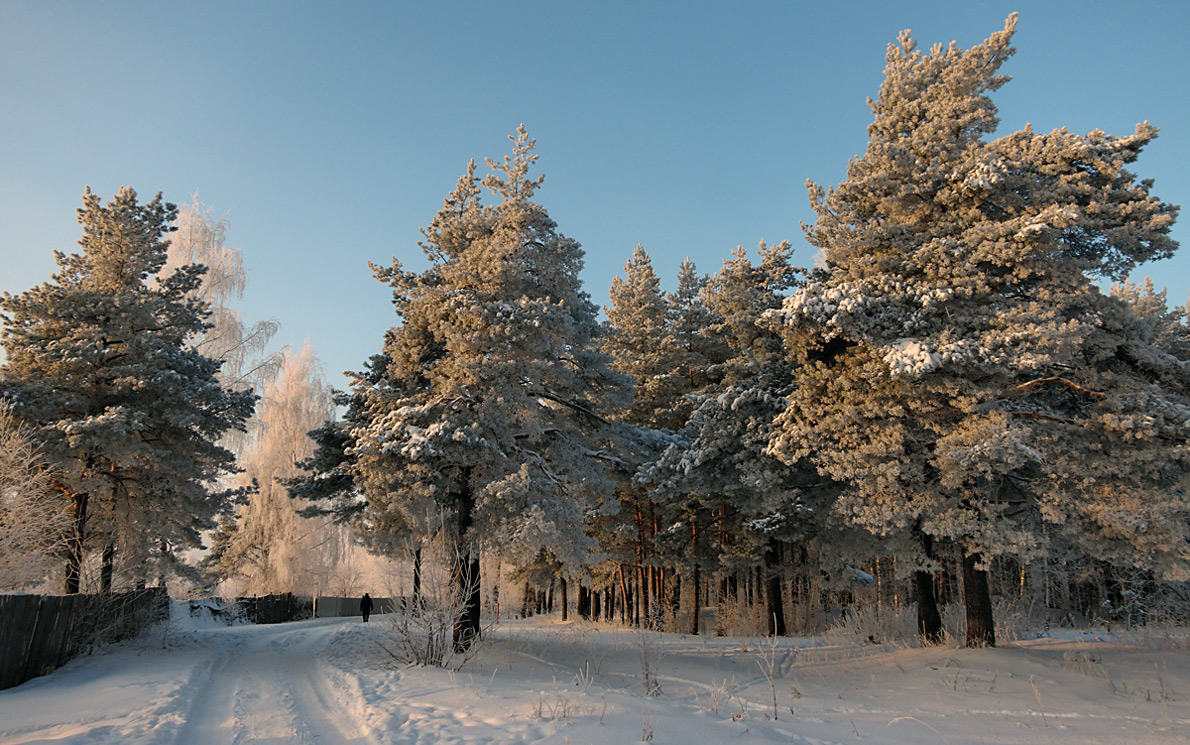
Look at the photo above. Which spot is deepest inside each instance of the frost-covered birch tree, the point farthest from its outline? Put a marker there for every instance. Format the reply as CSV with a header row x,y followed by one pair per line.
x,y
269,546
199,238
34,523
101,371
959,368
489,408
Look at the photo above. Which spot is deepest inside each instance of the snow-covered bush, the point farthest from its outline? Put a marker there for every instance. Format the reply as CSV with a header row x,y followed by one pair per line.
x,y
738,617
867,624
419,632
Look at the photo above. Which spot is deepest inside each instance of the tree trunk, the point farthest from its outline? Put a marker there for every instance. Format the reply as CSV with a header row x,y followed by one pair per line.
x,y
74,544
774,604
417,601
562,591
584,602
467,578
755,579
695,579
675,596
625,614
643,581
636,617
105,577
929,620
496,590
981,629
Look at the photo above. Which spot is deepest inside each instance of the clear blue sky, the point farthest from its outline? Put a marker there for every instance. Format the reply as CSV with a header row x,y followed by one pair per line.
x,y
330,132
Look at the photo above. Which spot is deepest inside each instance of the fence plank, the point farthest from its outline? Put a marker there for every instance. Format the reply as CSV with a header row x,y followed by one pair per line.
x,y
18,619
39,634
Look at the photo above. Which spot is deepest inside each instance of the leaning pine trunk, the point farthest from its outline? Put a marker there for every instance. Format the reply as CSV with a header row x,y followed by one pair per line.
x,y
981,629
466,572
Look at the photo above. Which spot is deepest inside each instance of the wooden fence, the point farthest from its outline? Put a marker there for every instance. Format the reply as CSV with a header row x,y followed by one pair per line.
x,y
277,608
332,607
39,634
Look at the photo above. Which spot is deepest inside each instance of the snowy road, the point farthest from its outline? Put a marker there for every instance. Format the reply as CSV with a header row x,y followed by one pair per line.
x,y
218,686
271,688
327,681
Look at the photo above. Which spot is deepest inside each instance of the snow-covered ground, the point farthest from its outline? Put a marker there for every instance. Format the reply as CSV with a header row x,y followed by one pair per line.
x,y
327,681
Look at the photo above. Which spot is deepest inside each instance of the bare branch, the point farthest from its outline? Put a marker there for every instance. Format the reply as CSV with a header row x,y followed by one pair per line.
x,y
1061,381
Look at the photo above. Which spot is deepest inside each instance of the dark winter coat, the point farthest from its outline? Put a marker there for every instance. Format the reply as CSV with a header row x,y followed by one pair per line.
x,y
365,604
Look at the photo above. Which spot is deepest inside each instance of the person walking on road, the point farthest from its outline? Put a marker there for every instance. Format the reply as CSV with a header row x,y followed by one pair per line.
x,y
365,606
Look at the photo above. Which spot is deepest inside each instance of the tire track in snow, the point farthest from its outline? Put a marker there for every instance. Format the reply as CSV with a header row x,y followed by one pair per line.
x,y
322,710
270,688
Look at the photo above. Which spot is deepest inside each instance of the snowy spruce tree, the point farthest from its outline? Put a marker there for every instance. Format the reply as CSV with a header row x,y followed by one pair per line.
x,y
100,371
1159,325
489,409
640,345
959,368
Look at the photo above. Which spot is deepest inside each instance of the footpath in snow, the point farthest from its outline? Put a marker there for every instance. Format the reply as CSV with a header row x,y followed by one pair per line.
x,y
327,681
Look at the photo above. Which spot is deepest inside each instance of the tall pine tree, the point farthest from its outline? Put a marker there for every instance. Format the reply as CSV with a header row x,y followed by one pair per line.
x,y
960,369
489,407
100,371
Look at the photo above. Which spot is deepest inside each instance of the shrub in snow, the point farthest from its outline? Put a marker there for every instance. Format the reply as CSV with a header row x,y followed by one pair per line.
x,y
420,630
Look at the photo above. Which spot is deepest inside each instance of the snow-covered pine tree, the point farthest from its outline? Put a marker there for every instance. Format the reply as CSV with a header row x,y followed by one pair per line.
x,y
1161,326
641,344
489,407
130,416
960,369
731,487
699,353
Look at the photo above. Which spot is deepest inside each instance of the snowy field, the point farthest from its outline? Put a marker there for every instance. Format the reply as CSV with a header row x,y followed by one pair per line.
x,y
326,681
